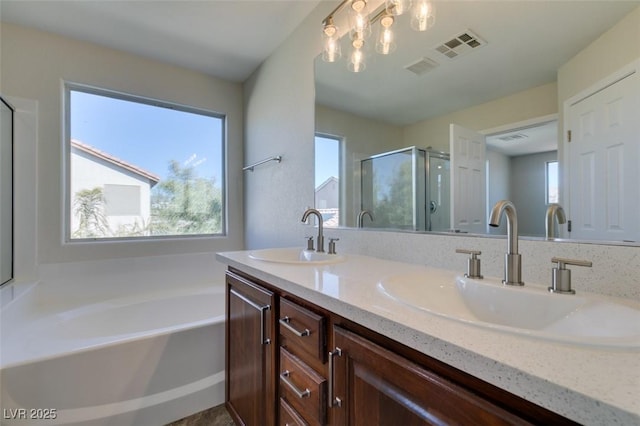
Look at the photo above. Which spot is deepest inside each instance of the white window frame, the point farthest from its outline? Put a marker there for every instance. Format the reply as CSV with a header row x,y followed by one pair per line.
x,y
68,87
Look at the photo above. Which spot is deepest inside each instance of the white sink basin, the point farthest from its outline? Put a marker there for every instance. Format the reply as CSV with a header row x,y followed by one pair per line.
x,y
586,318
295,256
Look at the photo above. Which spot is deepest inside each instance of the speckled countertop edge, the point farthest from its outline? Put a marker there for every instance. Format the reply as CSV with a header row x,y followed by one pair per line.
x,y
589,385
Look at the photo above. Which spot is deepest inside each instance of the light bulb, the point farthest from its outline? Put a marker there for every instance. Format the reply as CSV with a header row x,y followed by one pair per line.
x,y
423,15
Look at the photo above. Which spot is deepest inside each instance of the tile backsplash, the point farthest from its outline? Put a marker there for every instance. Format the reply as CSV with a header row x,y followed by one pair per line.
x,y
615,270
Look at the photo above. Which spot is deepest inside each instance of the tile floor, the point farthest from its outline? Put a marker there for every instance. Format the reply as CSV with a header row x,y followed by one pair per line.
x,y
216,416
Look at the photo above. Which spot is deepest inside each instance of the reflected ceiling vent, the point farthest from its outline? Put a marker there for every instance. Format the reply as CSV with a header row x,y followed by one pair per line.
x,y
513,137
421,66
461,44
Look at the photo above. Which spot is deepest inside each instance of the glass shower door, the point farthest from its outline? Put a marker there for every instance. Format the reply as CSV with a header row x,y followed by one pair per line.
x,y
394,189
438,172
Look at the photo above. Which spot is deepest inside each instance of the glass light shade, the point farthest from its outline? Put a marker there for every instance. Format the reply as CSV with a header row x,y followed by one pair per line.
x,y
423,15
359,19
385,43
331,51
397,7
357,61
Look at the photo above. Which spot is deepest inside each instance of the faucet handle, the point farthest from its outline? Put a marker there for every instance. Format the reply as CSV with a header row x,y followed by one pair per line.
x,y
561,276
309,242
473,263
332,245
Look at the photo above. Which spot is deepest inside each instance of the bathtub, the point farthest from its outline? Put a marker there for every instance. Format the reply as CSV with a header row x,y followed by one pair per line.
x,y
150,358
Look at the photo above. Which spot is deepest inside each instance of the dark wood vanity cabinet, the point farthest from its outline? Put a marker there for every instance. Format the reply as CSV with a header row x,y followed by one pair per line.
x,y
370,379
374,386
251,352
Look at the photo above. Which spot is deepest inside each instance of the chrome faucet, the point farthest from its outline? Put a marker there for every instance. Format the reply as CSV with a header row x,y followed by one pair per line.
x,y
553,210
361,217
512,260
320,239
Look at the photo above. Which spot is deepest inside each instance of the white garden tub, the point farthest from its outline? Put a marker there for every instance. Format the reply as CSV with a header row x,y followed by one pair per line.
x,y
146,359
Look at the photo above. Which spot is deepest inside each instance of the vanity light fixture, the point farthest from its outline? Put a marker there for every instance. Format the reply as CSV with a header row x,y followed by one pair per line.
x,y
422,18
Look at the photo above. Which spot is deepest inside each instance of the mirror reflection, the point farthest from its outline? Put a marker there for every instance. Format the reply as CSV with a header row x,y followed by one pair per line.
x,y
393,119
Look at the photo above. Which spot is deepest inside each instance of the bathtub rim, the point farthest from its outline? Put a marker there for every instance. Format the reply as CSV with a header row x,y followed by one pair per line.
x,y
106,341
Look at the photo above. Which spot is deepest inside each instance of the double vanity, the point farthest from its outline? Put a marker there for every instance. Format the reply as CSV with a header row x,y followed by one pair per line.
x,y
318,338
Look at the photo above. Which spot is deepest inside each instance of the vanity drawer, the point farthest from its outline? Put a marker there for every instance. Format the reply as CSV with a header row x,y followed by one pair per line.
x,y
302,388
289,416
302,330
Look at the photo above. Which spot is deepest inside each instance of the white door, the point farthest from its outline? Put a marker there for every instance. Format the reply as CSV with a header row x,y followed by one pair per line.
x,y
468,188
603,154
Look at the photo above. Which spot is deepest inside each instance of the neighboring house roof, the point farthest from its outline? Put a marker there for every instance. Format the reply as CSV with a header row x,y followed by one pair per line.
x,y
327,182
114,160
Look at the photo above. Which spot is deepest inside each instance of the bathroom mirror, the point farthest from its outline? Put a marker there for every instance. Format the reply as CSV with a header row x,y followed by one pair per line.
x,y
410,97
6,192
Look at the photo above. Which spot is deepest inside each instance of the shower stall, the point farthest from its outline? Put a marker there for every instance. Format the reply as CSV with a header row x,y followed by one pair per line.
x,y
406,189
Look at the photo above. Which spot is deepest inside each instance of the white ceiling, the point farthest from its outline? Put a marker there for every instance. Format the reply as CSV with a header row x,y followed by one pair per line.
x,y
541,137
228,39
527,41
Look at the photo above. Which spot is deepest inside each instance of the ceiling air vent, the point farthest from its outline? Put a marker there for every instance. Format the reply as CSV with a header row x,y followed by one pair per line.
x,y
422,66
463,43
513,137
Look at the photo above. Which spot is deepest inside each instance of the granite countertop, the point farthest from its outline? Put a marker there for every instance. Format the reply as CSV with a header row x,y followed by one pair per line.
x,y
591,385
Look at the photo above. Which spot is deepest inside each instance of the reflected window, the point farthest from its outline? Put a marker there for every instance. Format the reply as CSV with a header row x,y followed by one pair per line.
x,y
552,182
327,183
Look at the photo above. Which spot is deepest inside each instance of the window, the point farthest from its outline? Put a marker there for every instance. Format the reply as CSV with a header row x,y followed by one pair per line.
x,y
552,182
327,192
139,168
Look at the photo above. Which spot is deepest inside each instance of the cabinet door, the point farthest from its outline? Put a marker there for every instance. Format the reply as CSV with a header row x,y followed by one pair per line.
x,y
375,386
251,355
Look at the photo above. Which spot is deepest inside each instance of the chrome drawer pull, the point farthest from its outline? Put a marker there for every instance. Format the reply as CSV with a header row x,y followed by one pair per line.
x,y
333,401
285,322
284,376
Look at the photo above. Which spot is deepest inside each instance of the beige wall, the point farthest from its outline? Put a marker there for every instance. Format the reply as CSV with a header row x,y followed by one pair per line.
x,y
35,65
535,102
611,51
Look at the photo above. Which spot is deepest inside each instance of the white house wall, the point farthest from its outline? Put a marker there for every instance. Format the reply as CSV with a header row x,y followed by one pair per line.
x,y
88,172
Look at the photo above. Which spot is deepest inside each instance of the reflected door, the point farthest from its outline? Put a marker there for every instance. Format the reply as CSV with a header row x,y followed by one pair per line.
x,y
468,176
603,163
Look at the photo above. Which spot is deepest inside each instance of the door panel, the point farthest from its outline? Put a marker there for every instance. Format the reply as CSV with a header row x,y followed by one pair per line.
x,y
468,180
603,163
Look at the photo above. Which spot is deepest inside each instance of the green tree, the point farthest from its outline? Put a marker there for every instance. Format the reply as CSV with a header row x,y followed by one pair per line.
x,y
393,205
88,206
185,203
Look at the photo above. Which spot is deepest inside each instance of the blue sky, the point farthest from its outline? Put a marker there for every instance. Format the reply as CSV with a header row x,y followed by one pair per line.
x,y
148,136
327,159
